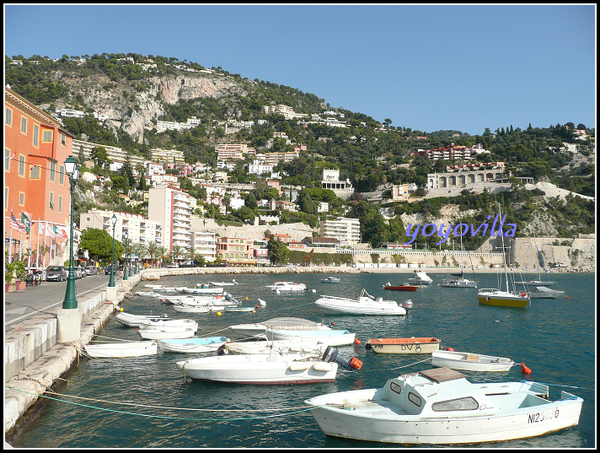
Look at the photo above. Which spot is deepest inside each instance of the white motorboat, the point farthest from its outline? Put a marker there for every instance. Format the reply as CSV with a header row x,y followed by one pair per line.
x,y
240,309
420,278
175,323
124,349
131,320
364,305
190,345
272,368
290,323
231,283
469,361
327,337
200,308
201,289
286,286
441,407
147,294
330,280
542,292
458,281
159,333
303,345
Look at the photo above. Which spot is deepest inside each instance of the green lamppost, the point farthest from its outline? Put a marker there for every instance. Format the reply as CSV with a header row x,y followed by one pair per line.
x,y
125,264
129,258
72,170
111,281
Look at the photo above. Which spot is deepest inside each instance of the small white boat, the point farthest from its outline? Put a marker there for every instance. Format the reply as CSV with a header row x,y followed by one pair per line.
x,y
147,294
171,323
535,283
542,292
154,285
441,407
469,361
131,320
327,337
188,345
125,349
201,290
271,368
364,305
302,345
159,333
290,323
419,345
458,281
231,283
286,286
330,280
420,278
204,308
239,309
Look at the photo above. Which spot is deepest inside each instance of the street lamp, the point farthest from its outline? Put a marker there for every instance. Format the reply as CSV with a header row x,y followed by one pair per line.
x,y
125,265
129,257
111,281
72,170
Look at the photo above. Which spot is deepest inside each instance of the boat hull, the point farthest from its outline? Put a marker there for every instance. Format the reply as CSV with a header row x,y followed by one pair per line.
x,y
161,334
258,369
470,362
192,345
364,306
499,301
402,288
340,338
423,345
117,350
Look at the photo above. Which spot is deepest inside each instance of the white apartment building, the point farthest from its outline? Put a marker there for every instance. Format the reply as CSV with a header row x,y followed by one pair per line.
x,y
172,208
205,244
345,230
233,151
84,149
168,155
257,167
330,179
139,229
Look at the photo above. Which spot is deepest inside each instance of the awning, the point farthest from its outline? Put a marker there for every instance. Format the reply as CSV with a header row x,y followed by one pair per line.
x,y
83,260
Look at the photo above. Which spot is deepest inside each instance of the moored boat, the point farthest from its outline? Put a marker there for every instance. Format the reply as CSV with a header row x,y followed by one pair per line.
x,y
302,345
499,298
327,337
124,349
364,305
542,292
440,406
420,278
283,323
458,281
470,362
330,280
190,345
131,320
286,286
413,345
402,287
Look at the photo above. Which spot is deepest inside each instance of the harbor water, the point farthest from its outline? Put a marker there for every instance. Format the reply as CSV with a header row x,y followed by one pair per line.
x,y
146,403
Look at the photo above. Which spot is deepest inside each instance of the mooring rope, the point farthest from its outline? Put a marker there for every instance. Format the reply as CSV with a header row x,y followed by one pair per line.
x,y
411,364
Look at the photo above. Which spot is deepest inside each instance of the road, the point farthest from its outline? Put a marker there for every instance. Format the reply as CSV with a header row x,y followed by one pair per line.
x,y
47,297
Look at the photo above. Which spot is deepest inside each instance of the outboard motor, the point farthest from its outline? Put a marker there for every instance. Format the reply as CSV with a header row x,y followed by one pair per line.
x,y
228,297
331,355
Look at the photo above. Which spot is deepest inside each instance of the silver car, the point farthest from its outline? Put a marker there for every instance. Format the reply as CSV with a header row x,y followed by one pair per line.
x,y
56,273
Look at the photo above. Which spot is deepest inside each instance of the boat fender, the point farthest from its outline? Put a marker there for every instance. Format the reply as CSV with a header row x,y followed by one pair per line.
x,y
222,350
525,369
523,294
449,348
368,347
356,340
355,363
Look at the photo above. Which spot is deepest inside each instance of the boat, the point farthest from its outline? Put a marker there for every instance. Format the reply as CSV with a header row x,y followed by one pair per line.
x,y
330,280
459,282
503,298
147,294
441,407
286,286
187,323
189,345
469,361
420,278
268,369
327,337
285,323
539,282
418,345
131,320
125,349
403,287
543,292
364,305
231,283
201,289
263,346
199,308
177,328
240,309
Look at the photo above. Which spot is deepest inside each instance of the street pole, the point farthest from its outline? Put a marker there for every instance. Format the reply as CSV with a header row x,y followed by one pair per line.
x,y
125,265
70,301
111,281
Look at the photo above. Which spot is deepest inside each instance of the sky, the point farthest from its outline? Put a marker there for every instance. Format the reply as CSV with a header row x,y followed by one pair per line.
x,y
425,67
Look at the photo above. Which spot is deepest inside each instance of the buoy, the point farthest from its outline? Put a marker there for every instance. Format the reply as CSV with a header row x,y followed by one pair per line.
x,y
247,298
356,341
120,308
253,311
566,297
524,369
449,348
219,313
314,290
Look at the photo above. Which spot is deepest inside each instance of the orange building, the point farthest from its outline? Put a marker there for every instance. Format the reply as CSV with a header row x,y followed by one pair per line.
x,y
35,182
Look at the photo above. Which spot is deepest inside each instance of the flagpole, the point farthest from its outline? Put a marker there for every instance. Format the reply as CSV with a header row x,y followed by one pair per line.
x,y
45,240
37,252
10,238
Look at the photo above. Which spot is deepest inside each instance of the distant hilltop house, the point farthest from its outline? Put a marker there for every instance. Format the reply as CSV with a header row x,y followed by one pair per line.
x,y
330,179
451,152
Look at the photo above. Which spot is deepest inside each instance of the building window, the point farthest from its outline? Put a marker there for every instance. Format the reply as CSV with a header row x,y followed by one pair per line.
x,y
63,139
5,198
34,172
47,136
61,175
36,135
8,118
51,200
52,171
60,202
21,198
6,159
24,125
21,165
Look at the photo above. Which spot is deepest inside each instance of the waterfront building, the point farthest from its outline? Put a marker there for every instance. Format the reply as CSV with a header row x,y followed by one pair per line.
x,y
172,208
236,251
205,244
330,179
345,230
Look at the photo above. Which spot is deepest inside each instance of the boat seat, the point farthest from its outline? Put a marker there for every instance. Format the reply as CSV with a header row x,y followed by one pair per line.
x,y
473,357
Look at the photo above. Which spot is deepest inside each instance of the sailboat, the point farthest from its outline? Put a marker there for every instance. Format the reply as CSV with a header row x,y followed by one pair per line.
x,y
461,281
500,298
539,282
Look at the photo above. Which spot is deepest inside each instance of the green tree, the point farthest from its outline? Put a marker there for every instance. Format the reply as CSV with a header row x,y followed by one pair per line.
x,y
99,245
277,250
100,156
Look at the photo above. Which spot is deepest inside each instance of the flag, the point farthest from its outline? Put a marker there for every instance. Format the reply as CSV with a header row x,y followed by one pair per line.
x,y
55,231
15,224
64,232
25,221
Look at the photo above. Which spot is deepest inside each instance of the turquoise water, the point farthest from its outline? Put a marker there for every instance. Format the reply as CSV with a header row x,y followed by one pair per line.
x,y
555,339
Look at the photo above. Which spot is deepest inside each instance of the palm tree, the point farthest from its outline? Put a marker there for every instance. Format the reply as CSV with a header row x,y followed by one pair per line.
x,y
152,249
162,253
177,252
192,253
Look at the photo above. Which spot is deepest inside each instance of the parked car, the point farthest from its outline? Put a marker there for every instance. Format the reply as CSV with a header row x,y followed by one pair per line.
x,y
107,270
56,273
91,270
